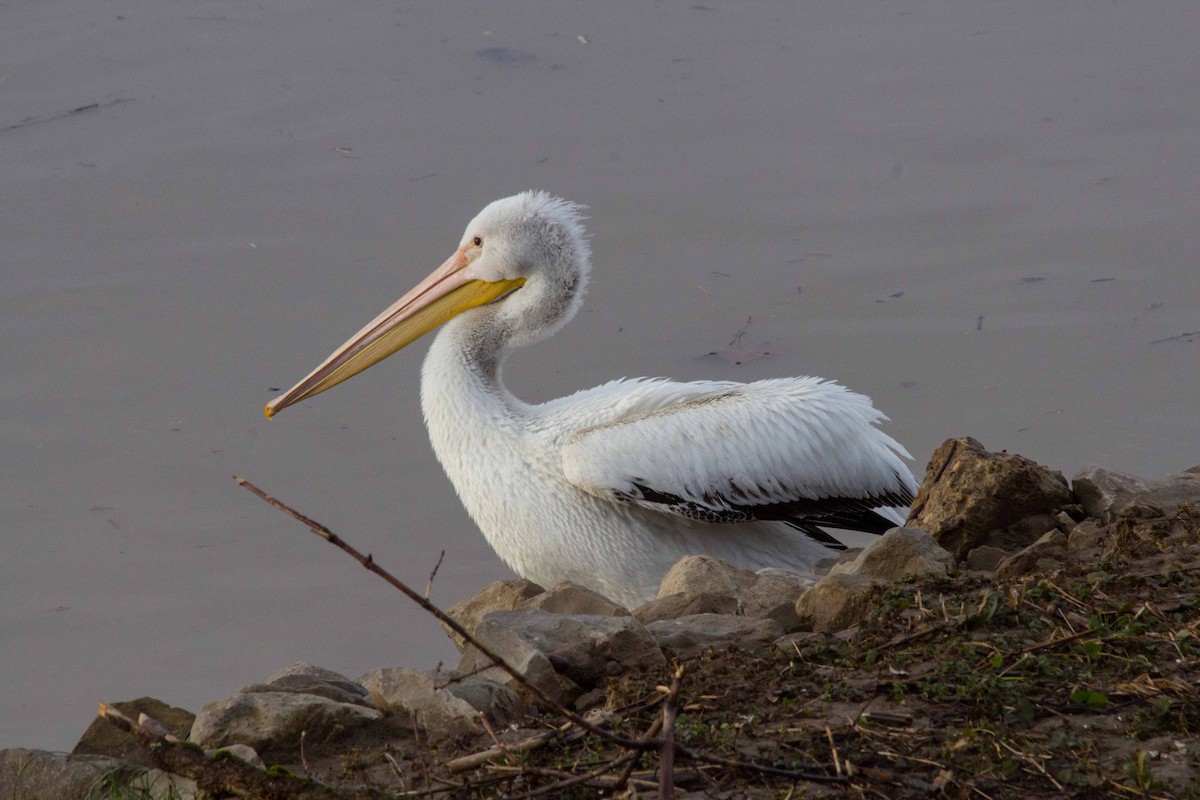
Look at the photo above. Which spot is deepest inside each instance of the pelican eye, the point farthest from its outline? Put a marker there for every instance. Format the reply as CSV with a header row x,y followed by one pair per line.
x,y
477,241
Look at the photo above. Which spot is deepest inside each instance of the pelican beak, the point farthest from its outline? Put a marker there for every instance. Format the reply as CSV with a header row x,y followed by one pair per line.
x,y
445,294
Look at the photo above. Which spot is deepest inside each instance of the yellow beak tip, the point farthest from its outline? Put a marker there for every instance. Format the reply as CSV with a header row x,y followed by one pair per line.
x,y
267,410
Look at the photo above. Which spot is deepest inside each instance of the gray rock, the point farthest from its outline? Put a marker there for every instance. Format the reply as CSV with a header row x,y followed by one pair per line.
x,y
899,554
498,596
102,738
563,655
1106,494
674,606
972,497
499,703
244,752
1087,540
837,602
439,714
302,678
985,558
694,575
686,636
41,775
570,598
271,722
1102,491
773,595
702,584
1065,522
1047,554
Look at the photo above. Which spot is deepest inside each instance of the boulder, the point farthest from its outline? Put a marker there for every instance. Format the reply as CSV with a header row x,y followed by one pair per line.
x,y
972,497
102,738
687,636
694,575
1047,554
41,775
682,604
985,558
302,678
773,596
498,596
570,598
440,715
271,722
1105,493
702,584
1087,540
500,704
898,555
837,601
561,654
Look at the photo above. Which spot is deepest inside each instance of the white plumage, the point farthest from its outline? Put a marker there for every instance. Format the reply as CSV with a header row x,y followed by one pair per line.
x,y
610,486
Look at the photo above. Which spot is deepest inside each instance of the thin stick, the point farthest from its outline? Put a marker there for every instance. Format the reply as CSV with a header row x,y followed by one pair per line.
x,y
369,562
475,759
837,762
666,757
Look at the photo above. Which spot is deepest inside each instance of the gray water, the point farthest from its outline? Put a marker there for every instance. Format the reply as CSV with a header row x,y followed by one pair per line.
x,y
983,215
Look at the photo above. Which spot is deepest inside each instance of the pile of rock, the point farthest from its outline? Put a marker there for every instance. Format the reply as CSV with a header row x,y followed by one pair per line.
x,y
977,511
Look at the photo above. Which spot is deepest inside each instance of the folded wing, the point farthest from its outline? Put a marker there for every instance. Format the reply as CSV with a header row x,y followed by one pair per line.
x,y
802,450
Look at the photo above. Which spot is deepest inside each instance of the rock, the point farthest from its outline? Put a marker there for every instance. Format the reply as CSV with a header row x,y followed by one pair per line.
x,y
972,497
41,775
773,595
499,703
439,714
837,601
897,555
769,593
498,596
1047,554
244,752
302,678
1105,494
563,655
1087,540
271,722
678,605
985,558
1064,522
1101,491
685,636
694,575
570,598
102,738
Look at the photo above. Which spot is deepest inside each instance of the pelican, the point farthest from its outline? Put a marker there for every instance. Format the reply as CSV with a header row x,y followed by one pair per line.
x,y
610,486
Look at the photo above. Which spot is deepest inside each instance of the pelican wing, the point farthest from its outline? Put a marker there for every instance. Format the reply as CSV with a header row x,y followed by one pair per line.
x,y
803,450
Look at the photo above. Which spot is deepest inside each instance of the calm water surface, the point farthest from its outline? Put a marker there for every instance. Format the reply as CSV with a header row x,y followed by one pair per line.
x,y
982,215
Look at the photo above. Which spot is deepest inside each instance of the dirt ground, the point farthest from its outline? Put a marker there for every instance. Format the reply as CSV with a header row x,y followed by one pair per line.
x,y
1081,683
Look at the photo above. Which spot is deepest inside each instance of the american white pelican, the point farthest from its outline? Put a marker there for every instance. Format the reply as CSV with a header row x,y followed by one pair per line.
x,y
611,486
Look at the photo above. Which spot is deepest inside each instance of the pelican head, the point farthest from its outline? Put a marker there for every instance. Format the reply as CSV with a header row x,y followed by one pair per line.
x,y
524,257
